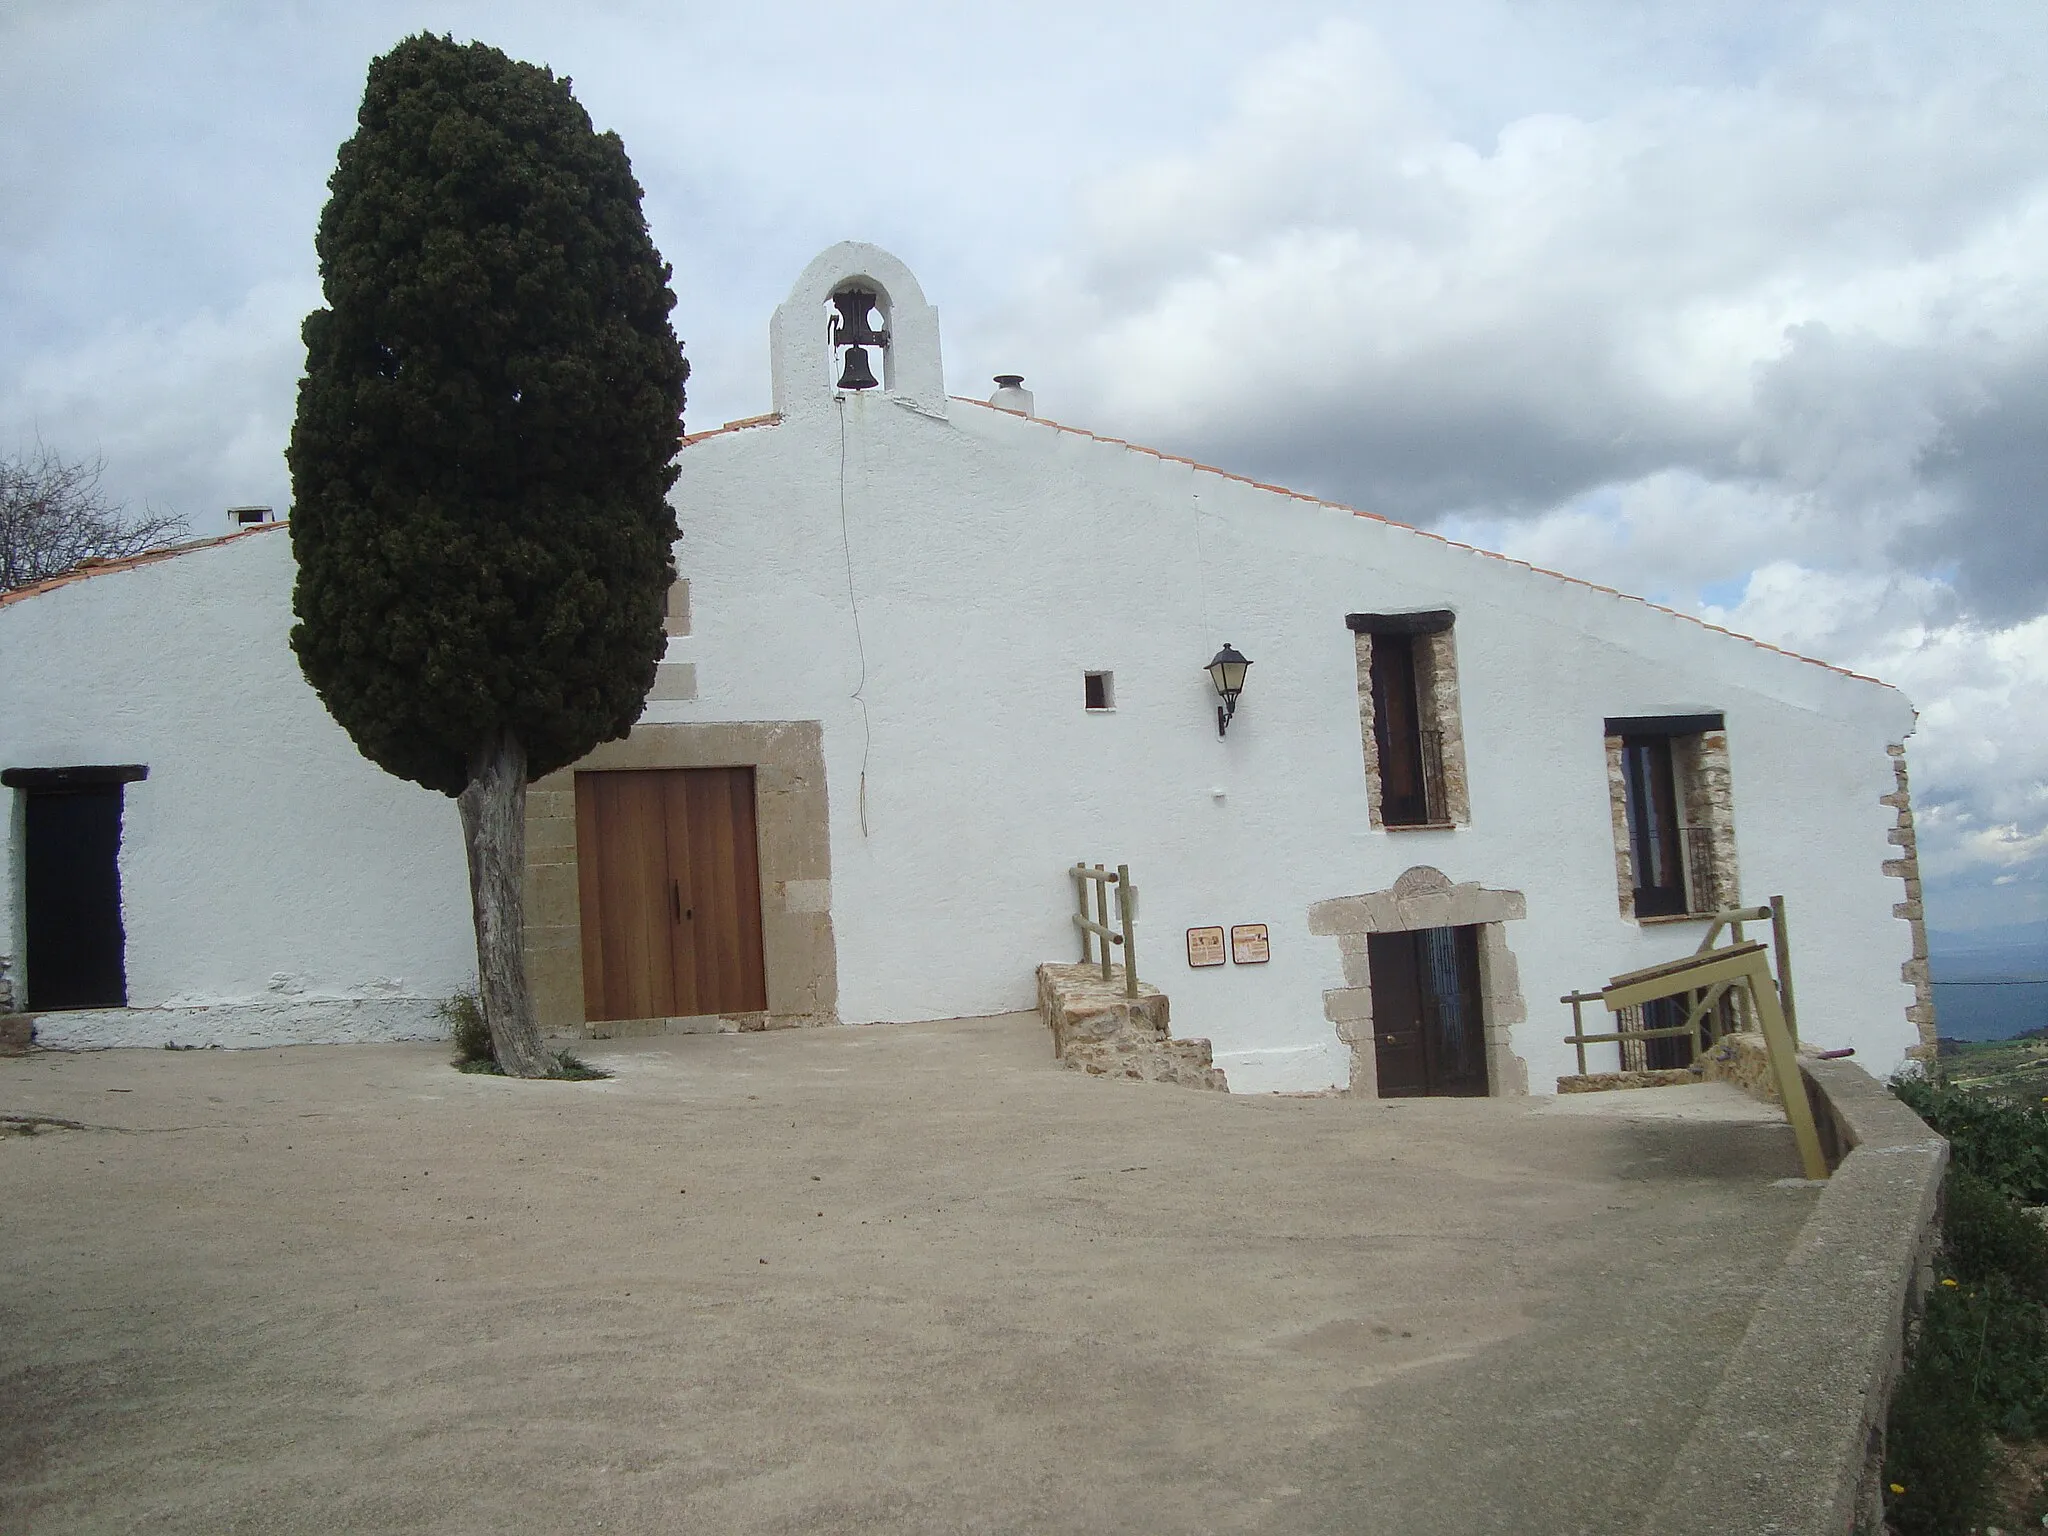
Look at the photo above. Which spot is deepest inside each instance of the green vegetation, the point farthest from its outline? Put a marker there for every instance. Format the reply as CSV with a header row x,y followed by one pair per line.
x,y
1977,1374
473,1052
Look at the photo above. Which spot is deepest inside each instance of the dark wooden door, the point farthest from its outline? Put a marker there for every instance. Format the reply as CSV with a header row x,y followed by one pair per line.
x,y
670,887
1427,1016
1398,1022
72,890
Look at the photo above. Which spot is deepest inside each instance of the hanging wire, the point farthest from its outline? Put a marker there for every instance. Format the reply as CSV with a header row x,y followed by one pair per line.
x,y
860,645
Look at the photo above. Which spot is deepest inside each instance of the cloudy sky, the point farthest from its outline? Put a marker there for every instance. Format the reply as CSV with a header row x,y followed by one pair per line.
x,y
1742,307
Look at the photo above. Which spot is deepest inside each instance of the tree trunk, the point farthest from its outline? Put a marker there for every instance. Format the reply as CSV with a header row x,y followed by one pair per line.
x,y
493,807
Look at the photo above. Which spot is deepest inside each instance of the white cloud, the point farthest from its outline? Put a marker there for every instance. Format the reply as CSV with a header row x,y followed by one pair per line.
x,y
1741,307
191,417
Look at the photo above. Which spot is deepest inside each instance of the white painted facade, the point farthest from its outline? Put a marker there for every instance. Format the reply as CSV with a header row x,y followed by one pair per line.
x,y
929,578
276,887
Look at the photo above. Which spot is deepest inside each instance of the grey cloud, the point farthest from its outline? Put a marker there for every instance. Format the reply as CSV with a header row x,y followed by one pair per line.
x,y
1993,462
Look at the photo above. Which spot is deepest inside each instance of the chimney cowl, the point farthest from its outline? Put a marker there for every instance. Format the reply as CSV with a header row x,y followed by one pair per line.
x,y
1011,395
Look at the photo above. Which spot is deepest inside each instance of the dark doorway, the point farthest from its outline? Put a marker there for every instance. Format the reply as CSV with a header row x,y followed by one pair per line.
x,y
1666,1051
72,880
1427,1019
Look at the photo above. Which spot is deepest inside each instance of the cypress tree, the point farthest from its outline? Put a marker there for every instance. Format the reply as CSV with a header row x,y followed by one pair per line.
x,y
480,463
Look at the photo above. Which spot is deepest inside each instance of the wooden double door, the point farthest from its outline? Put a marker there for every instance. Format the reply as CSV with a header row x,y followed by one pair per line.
x,y
1428,1021
669,881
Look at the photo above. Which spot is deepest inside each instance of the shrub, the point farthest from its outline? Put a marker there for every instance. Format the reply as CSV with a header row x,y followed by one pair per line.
x,y
465,1017
1988,1237
1938,1445
2000,1141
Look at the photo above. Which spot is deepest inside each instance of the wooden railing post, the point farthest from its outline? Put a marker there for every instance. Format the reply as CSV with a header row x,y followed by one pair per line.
x,y
1126,903
1102,917
1081,896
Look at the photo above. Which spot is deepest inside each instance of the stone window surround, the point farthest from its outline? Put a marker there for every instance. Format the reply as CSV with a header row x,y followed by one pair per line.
x,y
1705,788
1426,898
791,817
1436,697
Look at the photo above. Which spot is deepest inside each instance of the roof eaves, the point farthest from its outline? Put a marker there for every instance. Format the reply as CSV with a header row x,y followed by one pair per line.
x,y
87,569
768,419
1576,581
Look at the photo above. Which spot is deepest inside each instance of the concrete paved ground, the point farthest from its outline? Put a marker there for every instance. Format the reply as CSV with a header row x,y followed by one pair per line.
x,y
903,1279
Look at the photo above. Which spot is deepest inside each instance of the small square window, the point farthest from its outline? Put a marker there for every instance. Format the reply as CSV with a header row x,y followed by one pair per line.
x,y
1099,689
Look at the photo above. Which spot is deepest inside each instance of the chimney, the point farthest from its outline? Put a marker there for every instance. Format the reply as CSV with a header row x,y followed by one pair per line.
x,y
1011,395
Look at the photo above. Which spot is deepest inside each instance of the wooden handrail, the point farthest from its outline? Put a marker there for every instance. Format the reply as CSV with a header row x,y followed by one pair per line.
x,y
1098,926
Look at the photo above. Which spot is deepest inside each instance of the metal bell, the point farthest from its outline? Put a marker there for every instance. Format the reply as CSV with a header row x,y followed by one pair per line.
x,y
850,329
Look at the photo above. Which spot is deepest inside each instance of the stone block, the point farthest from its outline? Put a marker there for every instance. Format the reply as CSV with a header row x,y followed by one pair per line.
x,y
1348,1005
552,900
1438,910
674,682
550,839
806,895
558,997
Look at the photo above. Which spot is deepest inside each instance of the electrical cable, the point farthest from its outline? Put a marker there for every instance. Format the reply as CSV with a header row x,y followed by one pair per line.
x,y
860,644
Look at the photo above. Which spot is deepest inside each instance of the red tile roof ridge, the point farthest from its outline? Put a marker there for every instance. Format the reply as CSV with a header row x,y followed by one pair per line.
x,y
765,419
1490,554
95,566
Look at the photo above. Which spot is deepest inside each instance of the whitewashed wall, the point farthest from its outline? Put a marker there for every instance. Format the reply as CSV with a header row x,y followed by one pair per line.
x,y
276,887
993,559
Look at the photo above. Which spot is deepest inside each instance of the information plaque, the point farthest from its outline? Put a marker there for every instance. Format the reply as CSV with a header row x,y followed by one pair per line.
x,y
1205,946
1248,945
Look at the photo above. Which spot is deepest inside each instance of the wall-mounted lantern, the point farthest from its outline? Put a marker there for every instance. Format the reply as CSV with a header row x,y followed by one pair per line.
x,y
1227,673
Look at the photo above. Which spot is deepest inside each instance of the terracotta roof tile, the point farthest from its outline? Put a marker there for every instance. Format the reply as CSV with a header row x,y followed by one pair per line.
x,y
1577,581
96,567
767,420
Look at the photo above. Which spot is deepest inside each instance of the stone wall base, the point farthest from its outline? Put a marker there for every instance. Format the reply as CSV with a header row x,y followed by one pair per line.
x,y
1098,1030
1743,1059
245,1025
697,1024
1653,1077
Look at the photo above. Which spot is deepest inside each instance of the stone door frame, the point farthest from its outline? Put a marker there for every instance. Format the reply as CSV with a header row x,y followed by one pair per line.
x,y
1426,898
798,948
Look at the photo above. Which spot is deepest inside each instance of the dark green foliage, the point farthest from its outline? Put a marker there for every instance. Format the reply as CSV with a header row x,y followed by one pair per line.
x,y
485,429
475,1054
1988,1238
1979,1362
575,1069
1938,1446
2003,1142
472,1034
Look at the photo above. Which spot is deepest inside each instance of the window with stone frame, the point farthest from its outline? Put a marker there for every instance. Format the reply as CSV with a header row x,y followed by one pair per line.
x,y
1408,719
1670,801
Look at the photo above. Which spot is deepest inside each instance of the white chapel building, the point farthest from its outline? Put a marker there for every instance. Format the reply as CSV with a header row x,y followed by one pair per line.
x,y
926,654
